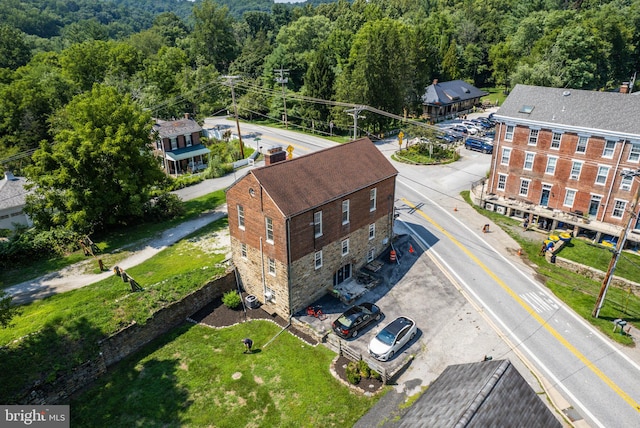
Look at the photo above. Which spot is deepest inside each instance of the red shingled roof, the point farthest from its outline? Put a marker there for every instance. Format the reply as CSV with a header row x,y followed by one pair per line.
x,y
302,183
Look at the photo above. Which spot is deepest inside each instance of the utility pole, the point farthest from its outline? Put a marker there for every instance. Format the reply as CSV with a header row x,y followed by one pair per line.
x,y
619,247
230,80
283,80
355,112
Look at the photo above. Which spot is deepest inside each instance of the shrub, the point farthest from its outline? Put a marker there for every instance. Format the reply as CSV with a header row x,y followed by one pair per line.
x,y
231,299
356,371
165,206
353,373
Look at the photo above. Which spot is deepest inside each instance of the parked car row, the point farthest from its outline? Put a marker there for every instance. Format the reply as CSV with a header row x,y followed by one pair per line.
x,y
387,342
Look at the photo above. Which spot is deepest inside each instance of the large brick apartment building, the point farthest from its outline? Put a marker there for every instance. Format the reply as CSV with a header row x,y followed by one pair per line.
x,y
559,157
302,225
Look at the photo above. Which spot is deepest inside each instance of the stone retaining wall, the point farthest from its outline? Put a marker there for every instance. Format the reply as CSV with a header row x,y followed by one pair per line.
x,y
597,275
126,342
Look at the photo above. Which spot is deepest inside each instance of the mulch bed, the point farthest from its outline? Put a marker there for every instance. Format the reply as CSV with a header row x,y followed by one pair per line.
x,y
216,314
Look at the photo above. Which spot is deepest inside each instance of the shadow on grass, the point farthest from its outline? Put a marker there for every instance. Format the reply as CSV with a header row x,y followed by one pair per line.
x,y
40,358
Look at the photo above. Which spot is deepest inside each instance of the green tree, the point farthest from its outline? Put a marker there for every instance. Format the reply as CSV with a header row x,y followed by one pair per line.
x,y
101,169
7,309
14,49
213,37
381,69
319,83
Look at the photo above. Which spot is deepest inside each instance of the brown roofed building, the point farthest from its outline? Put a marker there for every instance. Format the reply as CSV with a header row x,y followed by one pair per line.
x,y
300,226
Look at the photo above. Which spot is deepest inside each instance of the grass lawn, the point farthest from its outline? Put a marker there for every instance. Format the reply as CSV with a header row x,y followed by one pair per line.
x,y
56,333
116,239
578,291
198,377
495,94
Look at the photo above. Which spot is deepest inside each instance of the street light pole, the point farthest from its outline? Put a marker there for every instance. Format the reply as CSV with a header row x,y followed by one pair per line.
x,y
230,80
619,247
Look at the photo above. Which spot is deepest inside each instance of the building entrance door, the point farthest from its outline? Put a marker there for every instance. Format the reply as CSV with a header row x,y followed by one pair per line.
x,y
342,274
544,197
594,205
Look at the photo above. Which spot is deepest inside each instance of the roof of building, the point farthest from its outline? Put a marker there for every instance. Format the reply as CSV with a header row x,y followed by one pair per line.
x,y
305,182
12,191
173,128
482,394
594,112
452,92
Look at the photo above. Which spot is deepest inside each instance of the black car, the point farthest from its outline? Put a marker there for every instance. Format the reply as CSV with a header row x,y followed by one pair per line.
x,y
355,319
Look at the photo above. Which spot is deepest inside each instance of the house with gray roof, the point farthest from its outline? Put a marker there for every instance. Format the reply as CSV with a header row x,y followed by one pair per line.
x,y
482,394
177,144
12,201
300,226
567,158
447,100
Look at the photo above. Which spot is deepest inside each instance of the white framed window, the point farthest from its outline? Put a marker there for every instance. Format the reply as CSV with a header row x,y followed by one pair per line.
x,y
502,181
372,199
272,266
269,294
609,148
634,152
603,174
618,208
317,223
371,255
188,141
241,217
555,140
533,137
552,161
174,143
506,155
345,247
318,259
581,147
627,180
528,160
576,167
569,197
508,134
372,231
524,186
345,211
268,225
243,250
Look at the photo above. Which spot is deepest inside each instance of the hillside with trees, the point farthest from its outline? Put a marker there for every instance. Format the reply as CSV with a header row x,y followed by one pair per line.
x,y
168,57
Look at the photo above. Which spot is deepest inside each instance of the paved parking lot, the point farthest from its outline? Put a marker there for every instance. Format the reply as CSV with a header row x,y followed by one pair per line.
x,y
450,329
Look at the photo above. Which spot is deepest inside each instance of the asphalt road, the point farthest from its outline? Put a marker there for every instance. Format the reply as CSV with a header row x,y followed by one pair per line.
x,y
472,296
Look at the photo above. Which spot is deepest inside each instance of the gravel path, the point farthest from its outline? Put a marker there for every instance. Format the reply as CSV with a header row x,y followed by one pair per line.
x,y
75,276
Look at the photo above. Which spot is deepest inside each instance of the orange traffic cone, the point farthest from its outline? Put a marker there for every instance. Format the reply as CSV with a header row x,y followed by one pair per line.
x,y
455,209
411,250
519,251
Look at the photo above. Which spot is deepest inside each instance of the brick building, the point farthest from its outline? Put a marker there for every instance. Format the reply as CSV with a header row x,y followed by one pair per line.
x,y
302,225
559,157
177,143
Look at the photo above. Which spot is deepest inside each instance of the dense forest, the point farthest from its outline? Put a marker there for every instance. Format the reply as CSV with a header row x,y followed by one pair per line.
x,y
170,56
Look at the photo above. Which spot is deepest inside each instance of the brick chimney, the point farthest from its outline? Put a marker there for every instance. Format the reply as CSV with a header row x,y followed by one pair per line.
x,y
624,88
275,154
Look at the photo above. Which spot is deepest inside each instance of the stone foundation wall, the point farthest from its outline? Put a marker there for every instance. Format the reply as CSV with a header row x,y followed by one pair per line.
x,y
126,342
